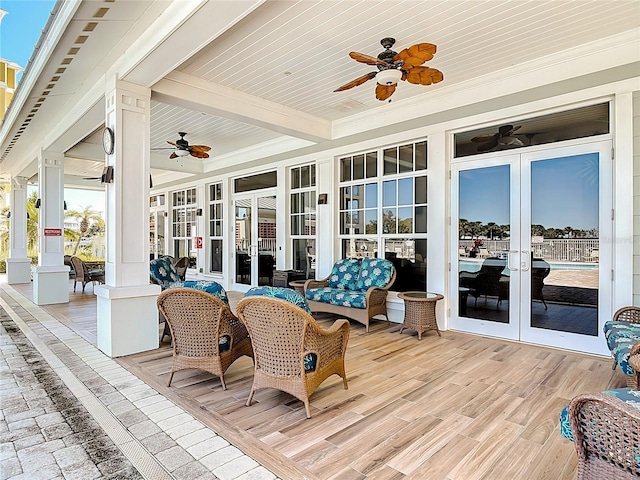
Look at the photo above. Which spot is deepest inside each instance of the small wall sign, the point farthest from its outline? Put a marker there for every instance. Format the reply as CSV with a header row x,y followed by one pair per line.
x,y
198,242
52,232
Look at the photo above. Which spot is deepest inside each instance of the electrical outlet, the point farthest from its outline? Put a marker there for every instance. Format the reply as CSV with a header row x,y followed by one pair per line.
x,y
201,270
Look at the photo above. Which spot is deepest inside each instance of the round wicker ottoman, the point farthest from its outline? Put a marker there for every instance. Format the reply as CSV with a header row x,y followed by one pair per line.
x,y
420,311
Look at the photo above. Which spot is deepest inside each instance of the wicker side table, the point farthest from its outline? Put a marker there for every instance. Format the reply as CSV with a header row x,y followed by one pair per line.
x,y
420,311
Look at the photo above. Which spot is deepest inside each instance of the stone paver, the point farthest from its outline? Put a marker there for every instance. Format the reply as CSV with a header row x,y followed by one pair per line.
x,y
47,433
42,440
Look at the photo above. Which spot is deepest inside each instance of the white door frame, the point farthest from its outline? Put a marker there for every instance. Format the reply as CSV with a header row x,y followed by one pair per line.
x,y
519,327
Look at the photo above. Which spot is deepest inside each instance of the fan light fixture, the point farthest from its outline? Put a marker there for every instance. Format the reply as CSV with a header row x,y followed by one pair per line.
x,y
390,76
181,153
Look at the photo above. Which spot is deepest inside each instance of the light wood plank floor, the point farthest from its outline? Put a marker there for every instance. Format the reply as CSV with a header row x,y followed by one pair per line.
x,y
459,406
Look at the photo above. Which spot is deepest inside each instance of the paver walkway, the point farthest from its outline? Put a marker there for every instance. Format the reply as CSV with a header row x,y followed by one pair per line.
x,y
67,411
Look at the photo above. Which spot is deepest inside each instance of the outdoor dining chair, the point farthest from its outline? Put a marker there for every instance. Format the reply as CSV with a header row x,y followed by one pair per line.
x,y
85,275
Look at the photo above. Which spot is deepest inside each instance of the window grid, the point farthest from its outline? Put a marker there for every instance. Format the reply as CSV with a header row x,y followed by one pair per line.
x,y
216,227
183,221
388,210
302,209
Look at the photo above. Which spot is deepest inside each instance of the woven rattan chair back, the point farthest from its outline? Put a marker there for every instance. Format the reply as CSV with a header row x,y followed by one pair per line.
x,y
627,314
282,335
606,433
206,335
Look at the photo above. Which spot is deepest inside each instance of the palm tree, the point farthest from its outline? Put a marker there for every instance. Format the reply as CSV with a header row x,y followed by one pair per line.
x,y
87,217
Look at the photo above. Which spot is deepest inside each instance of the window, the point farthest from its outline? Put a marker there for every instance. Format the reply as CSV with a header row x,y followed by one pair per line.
x,y
215,227
184,223
556,127
387,212
303,218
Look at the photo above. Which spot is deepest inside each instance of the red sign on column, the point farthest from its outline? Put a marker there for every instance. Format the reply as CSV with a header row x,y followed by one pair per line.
x,y
198,242
52,232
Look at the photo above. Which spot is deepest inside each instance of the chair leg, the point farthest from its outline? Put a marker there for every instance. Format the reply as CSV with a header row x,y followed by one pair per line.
x,y
307,408
248,404
170,378
224,386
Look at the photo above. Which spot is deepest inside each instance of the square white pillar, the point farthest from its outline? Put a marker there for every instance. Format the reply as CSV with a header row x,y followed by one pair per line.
x,y
51,276
127,319
18,264
127,311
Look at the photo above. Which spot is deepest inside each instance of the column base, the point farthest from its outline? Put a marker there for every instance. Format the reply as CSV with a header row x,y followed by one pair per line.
x,y
50,284
18,270
127,319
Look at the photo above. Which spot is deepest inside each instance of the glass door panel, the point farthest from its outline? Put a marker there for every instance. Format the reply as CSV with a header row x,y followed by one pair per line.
x,y
255,240
243,241
266,239
485,200
567,217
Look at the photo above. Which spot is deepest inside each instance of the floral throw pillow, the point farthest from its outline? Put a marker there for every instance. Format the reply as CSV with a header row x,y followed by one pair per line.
x,y
374,272
344,274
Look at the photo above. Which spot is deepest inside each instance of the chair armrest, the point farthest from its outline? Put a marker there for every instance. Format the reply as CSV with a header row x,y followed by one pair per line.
x,y
376,296
316,283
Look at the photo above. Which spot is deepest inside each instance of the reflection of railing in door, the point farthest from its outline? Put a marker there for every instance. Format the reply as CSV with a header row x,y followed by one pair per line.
x,y
555,249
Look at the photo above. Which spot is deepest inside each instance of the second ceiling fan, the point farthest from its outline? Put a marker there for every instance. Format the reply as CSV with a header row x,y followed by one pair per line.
x,y
183,149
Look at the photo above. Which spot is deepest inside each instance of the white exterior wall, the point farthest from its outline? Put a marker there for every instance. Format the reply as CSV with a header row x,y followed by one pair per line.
x,y
439,137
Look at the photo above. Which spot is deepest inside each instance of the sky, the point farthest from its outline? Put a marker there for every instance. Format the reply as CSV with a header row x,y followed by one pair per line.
x,y
20,30
564,193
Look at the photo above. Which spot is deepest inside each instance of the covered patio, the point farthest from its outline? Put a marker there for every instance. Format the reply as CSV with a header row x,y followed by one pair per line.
x,y
453,407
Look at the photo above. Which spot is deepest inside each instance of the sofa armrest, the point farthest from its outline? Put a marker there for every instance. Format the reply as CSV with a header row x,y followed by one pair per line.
x,y
376,296
316,283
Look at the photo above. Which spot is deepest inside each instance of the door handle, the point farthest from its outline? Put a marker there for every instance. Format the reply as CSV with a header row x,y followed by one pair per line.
x,y
509,263
526,264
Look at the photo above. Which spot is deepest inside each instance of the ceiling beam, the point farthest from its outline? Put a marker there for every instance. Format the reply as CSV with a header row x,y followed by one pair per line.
x,y
177,35
188,91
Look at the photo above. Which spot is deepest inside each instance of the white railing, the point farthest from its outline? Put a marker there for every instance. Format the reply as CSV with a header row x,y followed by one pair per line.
x,y
555,249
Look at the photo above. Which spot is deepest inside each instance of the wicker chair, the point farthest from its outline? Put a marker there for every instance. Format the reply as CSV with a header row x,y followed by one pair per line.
x,y
631,315
181,265
292,352
206,335
83,275
606,434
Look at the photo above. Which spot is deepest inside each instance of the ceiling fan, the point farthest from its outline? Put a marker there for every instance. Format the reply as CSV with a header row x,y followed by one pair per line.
x,y
183,149
393,67
505,136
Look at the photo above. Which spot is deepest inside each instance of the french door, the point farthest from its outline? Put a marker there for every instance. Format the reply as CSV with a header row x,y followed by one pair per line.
x,y
531,249
157,233
255,240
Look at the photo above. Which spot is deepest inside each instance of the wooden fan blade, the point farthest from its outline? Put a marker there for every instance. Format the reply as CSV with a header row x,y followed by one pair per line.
x,y
368,59
485,147
173,155
423,75
483,138
198,154
200,148
385,91
171,143
416,54
356,82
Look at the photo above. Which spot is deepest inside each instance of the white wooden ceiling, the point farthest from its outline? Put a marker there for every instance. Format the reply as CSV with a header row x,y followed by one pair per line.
x,y
292,55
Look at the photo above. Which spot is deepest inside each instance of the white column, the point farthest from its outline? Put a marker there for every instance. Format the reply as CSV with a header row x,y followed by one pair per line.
x,y
127,312
51,276
18,264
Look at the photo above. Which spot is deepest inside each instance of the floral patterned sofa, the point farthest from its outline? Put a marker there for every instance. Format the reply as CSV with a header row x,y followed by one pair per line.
x,y
355,288
623,339
162,272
